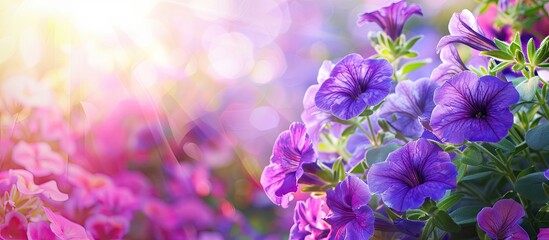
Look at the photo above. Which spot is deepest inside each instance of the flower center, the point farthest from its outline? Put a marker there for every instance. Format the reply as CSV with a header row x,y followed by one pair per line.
x,y
480,114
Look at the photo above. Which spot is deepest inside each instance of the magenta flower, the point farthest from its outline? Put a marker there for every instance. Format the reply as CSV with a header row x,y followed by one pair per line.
x,y
14,227
543,234
472,108
464,29
409,107
502,220
451,65
64,228
354,84
38,158
309,219
414,172
350,217
291,150
107,227
391,18
39,230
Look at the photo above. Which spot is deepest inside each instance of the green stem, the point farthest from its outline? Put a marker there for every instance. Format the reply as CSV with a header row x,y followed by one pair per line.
x,y
372,130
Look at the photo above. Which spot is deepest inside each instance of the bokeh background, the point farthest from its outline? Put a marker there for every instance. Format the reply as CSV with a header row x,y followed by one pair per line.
x,y
208,85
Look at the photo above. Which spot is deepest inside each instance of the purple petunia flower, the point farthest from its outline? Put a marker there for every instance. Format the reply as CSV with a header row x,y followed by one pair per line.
x,y
291,150
472,108
309,219
546,174
350,217
502,220
410,106
354,84
451,65
464,29
418,170
391,18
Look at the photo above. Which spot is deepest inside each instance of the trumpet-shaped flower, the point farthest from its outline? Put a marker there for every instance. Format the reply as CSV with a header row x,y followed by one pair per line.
x,y
502,220
414,172
473,108
309,219
451,65
350,217
391,18
354,84
410,106
464,29
291,150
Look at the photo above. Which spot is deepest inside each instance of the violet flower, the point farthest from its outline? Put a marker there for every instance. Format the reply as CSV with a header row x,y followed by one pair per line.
x,y
414,172
464,29
308,219
502,220
472,108
354,84
391,18
64,228
409,107
291,150
546,174
350,217
451,65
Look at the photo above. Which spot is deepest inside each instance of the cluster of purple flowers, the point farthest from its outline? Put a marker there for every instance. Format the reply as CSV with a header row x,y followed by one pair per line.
x,y
399,161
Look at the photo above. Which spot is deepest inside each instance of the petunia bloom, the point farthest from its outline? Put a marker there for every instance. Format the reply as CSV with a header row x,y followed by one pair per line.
x,y
309,219
350,217
410,106
354,84
502,220
391,18
291,150
472,108
451,65
543,234
464,29
414,172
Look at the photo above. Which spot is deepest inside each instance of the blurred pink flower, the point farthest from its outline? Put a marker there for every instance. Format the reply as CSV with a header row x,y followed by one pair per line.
x,y
107,227
25,184
64,228
38,158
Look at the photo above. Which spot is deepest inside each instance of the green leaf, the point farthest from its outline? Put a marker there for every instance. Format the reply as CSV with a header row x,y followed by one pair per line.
x,y
349,130
527,89
410,54
415,214
531,50
542,53
471,156
466,214
442,220
379,154
517,67
531,187
449,201
497,54
546,189
537,138
501,66
412,42
519,57
339,170
503,46
543,65
505,145
360,168
411,66
476,176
